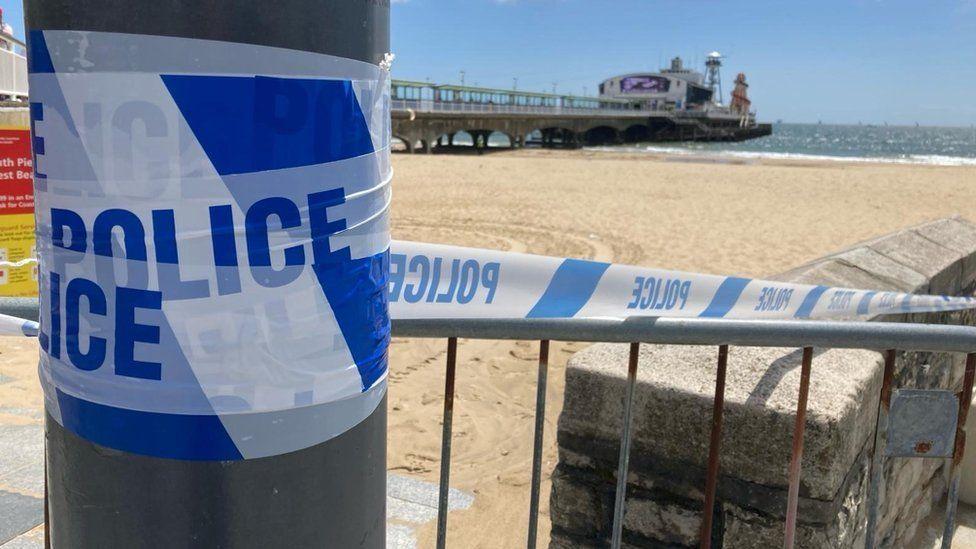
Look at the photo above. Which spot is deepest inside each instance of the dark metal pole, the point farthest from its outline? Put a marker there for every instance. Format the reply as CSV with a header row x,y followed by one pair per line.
x,y
446,433
877,456
796,459
955,475
714,449
331,494
540,423
623,466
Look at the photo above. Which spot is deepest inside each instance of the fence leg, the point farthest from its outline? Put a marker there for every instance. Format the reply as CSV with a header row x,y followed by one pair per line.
x,y
965,398
714,448
623,467
445,483
797,456
540,422
877,457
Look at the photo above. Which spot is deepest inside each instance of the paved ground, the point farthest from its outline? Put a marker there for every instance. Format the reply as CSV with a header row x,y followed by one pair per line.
x,y
410,503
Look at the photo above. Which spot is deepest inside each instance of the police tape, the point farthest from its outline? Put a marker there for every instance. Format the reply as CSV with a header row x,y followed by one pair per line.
x,y
438,281
212,229
13,326
443,282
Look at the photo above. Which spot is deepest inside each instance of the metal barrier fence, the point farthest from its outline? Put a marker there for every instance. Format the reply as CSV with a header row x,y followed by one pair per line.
x,y
723,333
886,337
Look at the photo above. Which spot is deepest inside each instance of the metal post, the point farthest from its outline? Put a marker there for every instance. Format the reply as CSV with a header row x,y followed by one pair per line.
x,y
624,464
331,493
445,482
47,521
714,449
797,455
540,423
952,499
877,456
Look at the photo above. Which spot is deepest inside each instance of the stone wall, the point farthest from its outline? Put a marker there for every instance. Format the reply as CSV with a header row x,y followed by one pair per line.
x,y
673,409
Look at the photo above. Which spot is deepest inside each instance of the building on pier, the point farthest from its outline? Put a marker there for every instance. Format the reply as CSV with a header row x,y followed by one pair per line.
x,y
673,89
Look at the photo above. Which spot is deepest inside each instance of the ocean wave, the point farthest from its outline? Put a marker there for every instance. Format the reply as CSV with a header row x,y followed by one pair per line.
x,y
922,159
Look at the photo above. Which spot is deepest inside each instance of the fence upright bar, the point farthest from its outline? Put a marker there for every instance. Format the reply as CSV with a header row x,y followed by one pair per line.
x,y
445,482
877,457
952,499
714,449
540,422
797,454
623,467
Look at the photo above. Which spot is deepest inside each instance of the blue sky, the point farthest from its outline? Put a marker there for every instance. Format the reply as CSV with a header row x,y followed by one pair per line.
x,y
834,60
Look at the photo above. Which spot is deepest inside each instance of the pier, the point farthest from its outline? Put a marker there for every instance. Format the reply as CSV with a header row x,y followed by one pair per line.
x,y
428,116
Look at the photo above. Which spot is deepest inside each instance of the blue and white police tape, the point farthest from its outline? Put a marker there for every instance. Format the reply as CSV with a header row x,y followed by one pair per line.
x,y
213,238
13,326
437,281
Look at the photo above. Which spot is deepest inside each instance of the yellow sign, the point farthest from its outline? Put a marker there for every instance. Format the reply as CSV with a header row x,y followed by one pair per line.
x,y
16,207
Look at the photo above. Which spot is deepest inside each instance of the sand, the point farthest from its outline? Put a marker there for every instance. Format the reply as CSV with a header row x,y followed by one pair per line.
x,y
744,218
750,219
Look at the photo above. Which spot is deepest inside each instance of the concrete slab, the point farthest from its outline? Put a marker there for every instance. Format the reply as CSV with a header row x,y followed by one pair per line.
x,y
33,539
18,514
411,503
22,459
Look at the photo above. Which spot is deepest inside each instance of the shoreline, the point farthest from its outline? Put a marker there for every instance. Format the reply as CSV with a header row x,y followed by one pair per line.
x,y
701,154
679,154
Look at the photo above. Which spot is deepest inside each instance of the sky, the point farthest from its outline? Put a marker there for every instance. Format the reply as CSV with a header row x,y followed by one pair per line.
x,y
839,61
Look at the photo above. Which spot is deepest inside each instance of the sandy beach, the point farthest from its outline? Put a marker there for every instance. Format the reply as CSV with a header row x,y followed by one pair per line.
x,y
750,218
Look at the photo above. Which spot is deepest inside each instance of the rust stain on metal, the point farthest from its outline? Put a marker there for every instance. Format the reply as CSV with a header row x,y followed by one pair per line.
x,y
886,380
923,447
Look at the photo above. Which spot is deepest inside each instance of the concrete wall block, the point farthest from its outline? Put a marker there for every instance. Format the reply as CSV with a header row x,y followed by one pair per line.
x,y
563,541
748,530
959,235
662,522
674,402
895,276
838,273
942,266
578,508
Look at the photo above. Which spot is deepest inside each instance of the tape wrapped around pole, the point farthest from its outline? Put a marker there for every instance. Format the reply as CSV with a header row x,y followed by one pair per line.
x,y
212,191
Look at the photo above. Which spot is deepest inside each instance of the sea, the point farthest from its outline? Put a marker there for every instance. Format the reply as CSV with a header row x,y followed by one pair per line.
x,y
848,143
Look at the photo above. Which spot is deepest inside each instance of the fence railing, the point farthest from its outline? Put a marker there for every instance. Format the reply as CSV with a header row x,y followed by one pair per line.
x,y
886,337
461,107
13,74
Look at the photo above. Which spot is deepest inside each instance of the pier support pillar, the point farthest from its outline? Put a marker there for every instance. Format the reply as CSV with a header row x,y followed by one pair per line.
x,y
174,430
